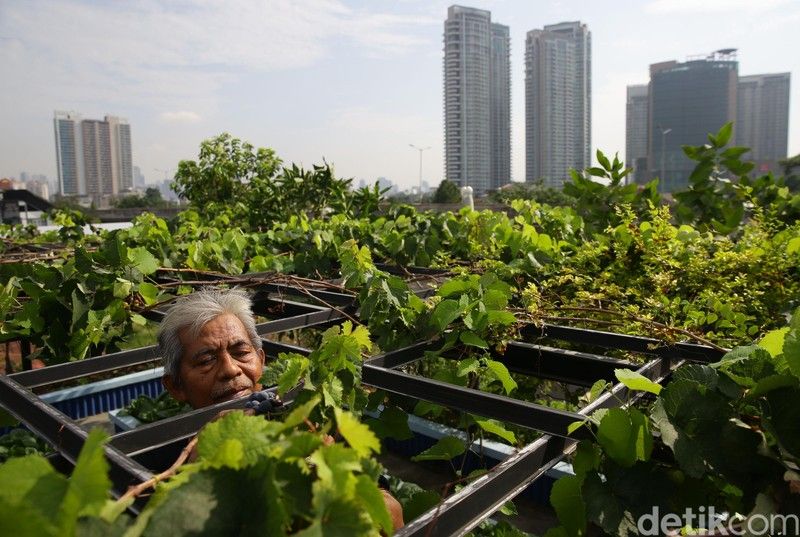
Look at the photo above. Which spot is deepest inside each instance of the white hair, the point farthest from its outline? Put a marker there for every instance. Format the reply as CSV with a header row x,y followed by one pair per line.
x,y
193,311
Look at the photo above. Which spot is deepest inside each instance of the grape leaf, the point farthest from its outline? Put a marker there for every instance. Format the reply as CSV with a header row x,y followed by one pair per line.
x,y
358,435
88,486
447,448
445,313
637,381
143,260
500,372
496,428
567,502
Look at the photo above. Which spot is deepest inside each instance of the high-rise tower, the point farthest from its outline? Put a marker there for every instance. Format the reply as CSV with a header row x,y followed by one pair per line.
x,y
762,119
636,131
93,157
688,101
558,95
477,99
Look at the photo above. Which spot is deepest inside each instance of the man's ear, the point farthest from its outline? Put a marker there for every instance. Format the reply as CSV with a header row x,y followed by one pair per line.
x,y
174,388
261,356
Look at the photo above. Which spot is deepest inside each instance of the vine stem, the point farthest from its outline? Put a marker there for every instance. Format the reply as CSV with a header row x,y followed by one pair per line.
x,y
136,490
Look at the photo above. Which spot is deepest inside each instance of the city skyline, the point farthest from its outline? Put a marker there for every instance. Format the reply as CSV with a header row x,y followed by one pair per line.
x,y
351,82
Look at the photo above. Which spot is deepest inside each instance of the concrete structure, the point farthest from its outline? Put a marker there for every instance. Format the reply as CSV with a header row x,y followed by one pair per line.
x,y
93,157
687,101
558,94
636,132
762,119
477,100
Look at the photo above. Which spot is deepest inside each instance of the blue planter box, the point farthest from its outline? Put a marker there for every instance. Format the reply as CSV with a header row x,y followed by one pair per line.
x,y
484,454
106,395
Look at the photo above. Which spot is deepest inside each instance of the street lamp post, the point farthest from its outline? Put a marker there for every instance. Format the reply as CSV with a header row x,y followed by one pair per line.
x,y
420,149
663,173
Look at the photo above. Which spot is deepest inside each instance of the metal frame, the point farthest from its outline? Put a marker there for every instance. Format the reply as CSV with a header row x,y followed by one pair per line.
x,y
133,455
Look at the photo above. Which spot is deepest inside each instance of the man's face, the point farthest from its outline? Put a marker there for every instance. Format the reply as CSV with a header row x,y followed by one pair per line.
x,y
218,365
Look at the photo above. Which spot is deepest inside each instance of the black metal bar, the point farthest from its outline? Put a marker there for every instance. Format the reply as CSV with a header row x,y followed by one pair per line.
x,y
64,434
572,367
328,297
403,356
270,306
305,320
89,366
645,345
273,348
463,510
503,408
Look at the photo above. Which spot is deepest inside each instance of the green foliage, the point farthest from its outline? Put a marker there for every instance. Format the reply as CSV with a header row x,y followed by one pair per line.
x,y
535,191
223,171
151,199
447,192
19,443
597,199
147,410
725,435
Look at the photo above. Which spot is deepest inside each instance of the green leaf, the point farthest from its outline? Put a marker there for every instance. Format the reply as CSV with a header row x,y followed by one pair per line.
x,y
358,435
235,440
793,246
88,486
637,381
724,135
453,287
392,423
496,428
567,502
500,372
445,313
296,368
371,500
503,318
419,503
300,413
447,448
143,260
149,293
625,436
472,339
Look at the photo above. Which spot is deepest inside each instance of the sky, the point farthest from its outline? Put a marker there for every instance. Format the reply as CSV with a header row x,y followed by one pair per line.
x,y
351,82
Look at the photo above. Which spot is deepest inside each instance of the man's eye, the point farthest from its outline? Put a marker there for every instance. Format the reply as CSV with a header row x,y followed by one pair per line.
x,y
205,360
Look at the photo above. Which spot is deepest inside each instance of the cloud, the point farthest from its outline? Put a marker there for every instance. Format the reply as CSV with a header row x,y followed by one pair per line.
x,y
713,6
177,55
180,116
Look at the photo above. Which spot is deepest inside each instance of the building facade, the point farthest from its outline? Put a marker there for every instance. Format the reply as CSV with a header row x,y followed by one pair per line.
x,y
762,119
477,99
688,101
93,157
558,95
636,132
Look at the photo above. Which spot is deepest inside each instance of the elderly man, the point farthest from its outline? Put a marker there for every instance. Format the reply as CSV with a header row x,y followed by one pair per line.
x,y
212,353
210,347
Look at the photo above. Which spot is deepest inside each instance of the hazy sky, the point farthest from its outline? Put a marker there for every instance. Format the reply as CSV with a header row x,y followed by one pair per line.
x,y
353,82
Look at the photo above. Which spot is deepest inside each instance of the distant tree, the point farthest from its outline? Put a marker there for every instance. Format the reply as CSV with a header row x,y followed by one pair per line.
x,y
223,171
448,192
150,200
791,170
536,191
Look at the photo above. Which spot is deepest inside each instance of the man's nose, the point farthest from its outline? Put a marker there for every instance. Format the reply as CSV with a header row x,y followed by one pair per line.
x,y
227,366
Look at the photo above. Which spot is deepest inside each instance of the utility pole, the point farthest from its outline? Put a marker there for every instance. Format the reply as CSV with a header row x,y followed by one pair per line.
x,y
420,149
